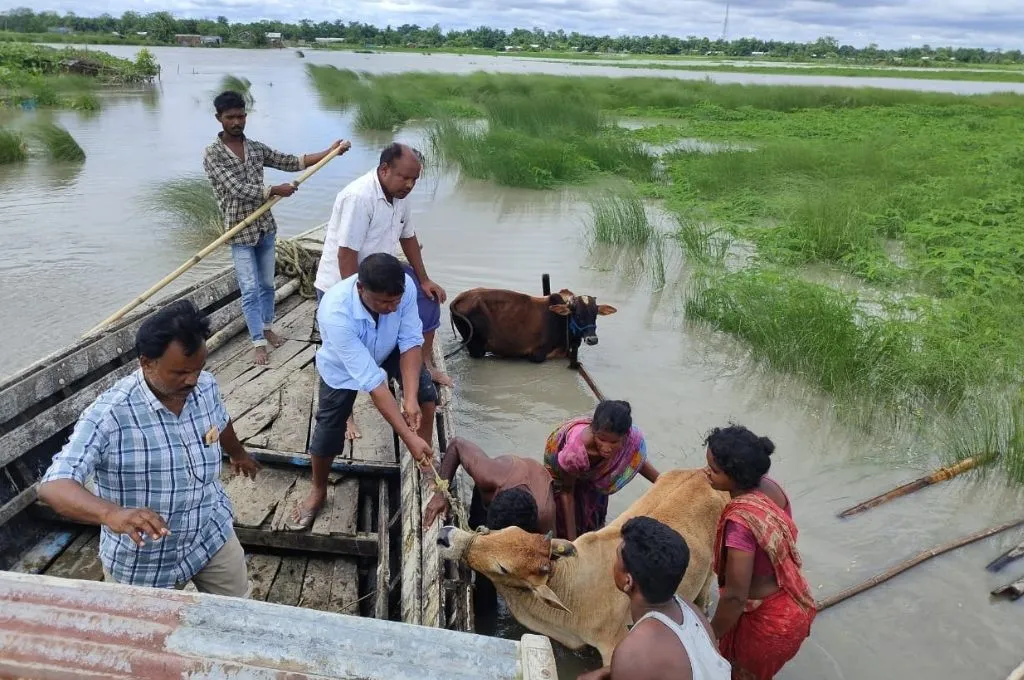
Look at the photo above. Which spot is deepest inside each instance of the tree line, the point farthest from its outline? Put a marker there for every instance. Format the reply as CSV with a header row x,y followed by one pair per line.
x,y
161,27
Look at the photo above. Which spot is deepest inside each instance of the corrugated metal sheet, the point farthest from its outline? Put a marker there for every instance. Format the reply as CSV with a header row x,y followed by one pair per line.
x,y
56,628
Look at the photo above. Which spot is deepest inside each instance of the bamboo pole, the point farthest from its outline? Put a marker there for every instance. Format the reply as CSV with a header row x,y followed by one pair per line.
x,y
223,238
590,382
913,562
941,475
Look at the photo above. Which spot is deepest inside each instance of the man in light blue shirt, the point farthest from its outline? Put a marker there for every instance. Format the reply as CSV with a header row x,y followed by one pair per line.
x,y
372,333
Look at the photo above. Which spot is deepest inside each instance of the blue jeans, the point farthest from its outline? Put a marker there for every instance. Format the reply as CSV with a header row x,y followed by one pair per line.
x,y
254,266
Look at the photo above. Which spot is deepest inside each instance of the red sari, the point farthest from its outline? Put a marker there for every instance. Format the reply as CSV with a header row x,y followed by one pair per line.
x,y
769,631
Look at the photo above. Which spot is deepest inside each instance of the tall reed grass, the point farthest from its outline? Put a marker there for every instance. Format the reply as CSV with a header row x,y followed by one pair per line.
x,y
59,144
12,147
191,203
620,218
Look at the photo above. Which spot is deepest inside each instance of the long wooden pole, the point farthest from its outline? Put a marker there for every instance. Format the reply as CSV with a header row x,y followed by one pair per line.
x,y
223,238
940,475
913,562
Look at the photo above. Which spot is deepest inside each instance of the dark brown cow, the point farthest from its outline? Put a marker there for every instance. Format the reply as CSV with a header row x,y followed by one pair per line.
x,y
515,325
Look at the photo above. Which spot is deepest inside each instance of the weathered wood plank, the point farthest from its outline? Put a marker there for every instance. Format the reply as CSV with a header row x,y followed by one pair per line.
x,y
258,418
254,499
12,507
380,609
81,560
39,557
262,572
362,545
291,427
343,521
344,588
412,519
298,324
378,440
287,586
316,585
248,395
242,371
537,658
342,465
324,520
54,373
17,442
432,566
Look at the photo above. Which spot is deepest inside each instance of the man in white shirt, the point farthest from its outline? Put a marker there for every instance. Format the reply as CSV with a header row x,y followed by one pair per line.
x,y
372,215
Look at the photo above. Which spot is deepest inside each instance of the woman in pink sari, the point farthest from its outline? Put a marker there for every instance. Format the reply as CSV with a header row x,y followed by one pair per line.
x,y
590,458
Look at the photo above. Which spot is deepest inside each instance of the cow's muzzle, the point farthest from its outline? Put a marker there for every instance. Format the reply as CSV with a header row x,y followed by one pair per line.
x,y
590,340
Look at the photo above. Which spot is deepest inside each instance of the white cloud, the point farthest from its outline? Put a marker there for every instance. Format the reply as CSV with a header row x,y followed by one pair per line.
x,y
892,23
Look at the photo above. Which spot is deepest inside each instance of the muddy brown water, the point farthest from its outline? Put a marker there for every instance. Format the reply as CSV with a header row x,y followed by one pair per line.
x,y
81,241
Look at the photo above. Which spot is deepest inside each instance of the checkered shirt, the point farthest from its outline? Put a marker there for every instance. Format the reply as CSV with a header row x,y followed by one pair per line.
x,y
143,456
239,186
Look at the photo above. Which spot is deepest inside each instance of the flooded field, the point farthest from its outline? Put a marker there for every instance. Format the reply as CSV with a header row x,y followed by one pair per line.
x,y
83,241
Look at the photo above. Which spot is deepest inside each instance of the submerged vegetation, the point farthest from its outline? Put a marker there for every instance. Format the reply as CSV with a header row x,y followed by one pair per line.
x,y
242,86
868,241
12,147
58,143
191,203
37,75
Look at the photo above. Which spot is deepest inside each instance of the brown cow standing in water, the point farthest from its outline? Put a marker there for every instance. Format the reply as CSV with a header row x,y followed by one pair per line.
x,y
566,590
515,325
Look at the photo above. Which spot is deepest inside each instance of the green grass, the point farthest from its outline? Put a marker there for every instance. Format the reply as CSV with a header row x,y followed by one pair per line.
x,y
620,218
12,147
238,84
58,143
191,203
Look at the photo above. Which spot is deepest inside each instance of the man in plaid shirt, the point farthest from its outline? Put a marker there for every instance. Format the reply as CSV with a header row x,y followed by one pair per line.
x,y
234,164
153,442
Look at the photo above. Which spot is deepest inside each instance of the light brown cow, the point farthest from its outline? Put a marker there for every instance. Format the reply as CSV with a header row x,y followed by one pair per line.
x,y
565,589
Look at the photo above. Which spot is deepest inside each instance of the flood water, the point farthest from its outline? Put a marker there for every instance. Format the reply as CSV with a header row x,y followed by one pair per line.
x,y
83,241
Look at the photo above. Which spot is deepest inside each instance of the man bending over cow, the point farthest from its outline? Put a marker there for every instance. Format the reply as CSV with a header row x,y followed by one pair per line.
x,y
511,491
670,638
371,334
372,215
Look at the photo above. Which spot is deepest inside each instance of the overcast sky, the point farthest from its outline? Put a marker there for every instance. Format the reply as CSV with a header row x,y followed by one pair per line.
x,y
890,23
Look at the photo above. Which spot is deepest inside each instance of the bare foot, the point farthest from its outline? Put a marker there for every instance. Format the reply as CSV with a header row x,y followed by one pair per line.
x,y
440,378
304,514
351,431
261,357
273,338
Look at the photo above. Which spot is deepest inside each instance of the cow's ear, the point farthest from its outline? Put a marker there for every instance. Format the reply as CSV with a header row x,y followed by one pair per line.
x,y
605,310
545,593
562,548
561,310
566,294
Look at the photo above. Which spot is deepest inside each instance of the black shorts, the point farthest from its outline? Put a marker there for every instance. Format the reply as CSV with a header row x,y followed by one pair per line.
x,y
335,407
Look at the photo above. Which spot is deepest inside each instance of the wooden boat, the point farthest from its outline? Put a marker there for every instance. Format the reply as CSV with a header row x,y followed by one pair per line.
x,y
366,554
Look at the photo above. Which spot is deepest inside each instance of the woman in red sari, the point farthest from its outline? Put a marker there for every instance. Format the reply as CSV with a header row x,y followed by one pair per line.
x,y
765,610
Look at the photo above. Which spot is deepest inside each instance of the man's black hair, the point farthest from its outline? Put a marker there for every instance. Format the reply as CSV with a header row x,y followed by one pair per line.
x,y
513,508
179,321
227,100
656,556
382,273
393,151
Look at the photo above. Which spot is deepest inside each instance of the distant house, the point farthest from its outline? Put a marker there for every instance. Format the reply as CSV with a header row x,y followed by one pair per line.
x,y
328,41
513,48
211,40
188,39
142,34
63,30
274,38
758,54
534,47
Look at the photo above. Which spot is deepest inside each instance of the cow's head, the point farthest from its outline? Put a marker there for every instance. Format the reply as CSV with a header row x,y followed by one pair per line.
x,y
582,312
510,557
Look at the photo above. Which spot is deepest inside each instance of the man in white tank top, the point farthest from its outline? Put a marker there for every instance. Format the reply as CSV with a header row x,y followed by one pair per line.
x,y
670,639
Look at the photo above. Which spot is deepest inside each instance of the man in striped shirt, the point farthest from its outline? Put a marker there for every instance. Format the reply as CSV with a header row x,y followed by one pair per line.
x,y
234,165
153,442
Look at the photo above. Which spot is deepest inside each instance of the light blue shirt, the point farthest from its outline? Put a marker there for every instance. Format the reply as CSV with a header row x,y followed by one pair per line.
x,y
354,345
144,456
